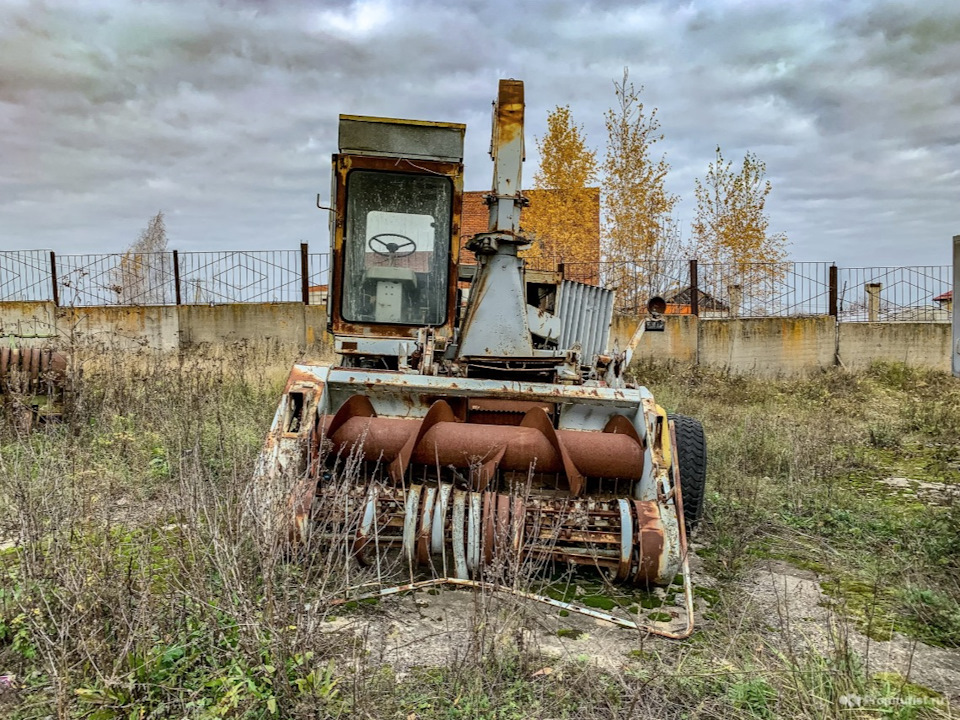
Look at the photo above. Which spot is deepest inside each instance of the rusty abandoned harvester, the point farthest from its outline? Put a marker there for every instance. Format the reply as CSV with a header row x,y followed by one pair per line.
x,y
486,406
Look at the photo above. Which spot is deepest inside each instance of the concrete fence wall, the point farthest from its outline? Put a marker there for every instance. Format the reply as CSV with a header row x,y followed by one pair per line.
x,y
770,347
918,344
163,327
678,341
766,347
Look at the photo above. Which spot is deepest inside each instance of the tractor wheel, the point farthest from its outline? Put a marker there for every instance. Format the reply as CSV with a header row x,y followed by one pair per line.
x,y
691,452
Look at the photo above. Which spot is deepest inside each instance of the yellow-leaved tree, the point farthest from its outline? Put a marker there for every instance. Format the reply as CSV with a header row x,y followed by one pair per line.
x,y
640,236
563,217
731,233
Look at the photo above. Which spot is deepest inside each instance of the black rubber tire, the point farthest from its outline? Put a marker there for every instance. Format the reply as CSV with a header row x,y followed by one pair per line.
x,y
691,452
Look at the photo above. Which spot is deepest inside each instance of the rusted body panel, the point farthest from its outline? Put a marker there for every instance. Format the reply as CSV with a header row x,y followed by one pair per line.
x,y
507,151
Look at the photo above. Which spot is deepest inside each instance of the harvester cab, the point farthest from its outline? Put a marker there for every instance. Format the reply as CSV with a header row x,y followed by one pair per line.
x,y
480,407
397,189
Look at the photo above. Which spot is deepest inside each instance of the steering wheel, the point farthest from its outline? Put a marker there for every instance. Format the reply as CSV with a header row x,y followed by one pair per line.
x,y
384,246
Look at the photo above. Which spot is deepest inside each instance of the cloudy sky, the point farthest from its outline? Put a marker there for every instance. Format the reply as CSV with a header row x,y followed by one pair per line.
x,y
223,114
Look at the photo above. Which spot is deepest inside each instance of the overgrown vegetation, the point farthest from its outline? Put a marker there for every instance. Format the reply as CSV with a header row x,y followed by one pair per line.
x,y
132,586
801,472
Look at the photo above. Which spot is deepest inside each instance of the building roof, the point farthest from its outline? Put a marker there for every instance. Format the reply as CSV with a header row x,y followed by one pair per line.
x,y
945,297
705,301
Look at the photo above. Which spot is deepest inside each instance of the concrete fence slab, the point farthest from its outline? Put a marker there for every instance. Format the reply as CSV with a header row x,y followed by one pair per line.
x,y
677,341
918,344
30,324
282,323
768,347
150,326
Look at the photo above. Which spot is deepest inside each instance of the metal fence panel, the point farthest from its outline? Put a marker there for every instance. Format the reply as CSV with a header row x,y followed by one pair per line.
x,y
764,289
25,276
240,277
918,293
904,294
116,279
319,274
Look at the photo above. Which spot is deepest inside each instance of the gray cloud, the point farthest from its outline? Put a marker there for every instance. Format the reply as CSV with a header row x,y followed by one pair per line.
x,y
224,114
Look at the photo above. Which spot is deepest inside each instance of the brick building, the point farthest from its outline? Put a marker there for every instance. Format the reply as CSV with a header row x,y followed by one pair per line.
x,y
584,267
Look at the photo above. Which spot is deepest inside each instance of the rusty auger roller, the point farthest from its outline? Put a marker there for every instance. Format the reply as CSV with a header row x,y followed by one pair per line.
x,y
479,414
533,444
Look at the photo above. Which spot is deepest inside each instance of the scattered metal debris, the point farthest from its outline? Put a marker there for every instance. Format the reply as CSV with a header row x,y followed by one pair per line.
x,y
33,383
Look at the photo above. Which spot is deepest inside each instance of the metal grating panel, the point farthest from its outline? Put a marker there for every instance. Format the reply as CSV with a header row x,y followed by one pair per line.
x,y
585,313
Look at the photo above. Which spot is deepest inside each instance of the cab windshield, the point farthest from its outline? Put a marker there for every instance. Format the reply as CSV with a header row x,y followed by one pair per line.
x,y
396,248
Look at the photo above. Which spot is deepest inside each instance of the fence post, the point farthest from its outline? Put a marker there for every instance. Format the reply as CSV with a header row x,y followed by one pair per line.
x,y
833,290
694,289
53,279
735,293
873,300
955,299
176,276
305,272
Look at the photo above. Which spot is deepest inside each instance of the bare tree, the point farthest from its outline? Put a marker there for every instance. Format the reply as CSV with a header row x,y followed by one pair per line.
x,y
144,269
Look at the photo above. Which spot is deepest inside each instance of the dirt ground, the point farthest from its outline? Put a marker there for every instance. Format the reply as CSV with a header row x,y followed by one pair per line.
x,y
792,599
424,630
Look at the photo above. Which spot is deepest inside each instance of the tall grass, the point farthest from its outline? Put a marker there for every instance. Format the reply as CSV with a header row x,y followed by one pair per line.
x,y
135,583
